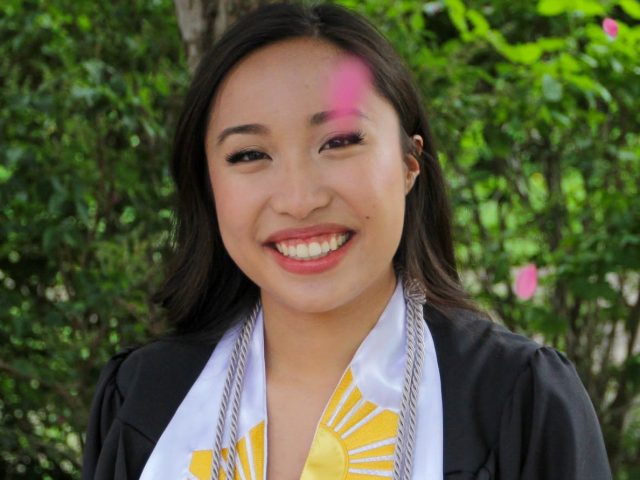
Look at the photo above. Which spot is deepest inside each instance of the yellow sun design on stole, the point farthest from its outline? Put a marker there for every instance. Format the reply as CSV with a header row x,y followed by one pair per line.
x,y
249,458
355,440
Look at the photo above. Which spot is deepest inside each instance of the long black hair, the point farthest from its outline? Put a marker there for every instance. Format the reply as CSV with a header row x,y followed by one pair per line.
x,y
204,289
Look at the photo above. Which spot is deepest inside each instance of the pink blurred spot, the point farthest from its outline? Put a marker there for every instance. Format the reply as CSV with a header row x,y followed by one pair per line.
x,y
527,282
610,27
348,84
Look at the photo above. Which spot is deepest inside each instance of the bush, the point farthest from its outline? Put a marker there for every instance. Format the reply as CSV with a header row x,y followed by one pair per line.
x,y
534,108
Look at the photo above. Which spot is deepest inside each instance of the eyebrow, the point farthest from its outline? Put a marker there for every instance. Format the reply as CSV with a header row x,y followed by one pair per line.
x,y
314,120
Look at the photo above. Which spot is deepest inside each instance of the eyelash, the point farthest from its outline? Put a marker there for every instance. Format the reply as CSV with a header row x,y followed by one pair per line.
x,y
356,138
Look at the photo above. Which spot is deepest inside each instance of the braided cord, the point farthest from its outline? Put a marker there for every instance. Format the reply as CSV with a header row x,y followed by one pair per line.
x,y
404,405
415,317
217,446
232,387
405,442
403,458
235,408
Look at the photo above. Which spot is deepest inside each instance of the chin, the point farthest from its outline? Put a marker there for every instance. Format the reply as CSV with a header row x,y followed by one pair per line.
x,y
314,300
313,303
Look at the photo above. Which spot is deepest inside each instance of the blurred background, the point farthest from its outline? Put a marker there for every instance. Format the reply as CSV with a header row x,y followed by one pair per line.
x,y
534,107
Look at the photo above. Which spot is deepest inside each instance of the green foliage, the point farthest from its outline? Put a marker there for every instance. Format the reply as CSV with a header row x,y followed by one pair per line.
x,y
533,107
89,90
535,112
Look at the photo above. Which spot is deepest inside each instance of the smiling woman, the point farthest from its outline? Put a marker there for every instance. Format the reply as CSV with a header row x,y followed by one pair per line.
x,y
339,180
314,297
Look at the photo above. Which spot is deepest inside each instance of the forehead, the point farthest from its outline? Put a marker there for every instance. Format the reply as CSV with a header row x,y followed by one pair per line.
x,y
293,78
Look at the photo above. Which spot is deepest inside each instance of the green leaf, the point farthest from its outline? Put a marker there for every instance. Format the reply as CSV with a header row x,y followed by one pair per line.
x,y
417,22
551,88
590,8
551,8
480,25
457,10
5,174
84,23
525,53
551,44
631,8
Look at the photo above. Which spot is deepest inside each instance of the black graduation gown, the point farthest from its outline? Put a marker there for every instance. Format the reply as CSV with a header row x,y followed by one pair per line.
x,y
513,410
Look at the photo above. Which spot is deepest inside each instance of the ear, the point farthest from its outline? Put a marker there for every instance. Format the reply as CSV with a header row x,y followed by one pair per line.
x,y
412,165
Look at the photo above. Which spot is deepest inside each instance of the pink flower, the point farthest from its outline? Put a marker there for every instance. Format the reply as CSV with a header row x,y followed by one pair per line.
x,y
527,282
610,27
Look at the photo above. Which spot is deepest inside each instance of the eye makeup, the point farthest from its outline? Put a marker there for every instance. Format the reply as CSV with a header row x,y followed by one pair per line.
x,y
343,140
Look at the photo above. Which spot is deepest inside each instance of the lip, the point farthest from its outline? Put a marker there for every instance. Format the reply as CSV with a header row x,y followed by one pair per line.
x,y
306,232
315,266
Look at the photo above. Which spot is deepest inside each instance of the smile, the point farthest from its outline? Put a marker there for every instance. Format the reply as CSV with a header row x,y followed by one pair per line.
x,y
312,248
311,255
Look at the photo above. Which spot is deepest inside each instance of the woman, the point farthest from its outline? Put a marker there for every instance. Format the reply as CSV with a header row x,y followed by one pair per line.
x,y
321,331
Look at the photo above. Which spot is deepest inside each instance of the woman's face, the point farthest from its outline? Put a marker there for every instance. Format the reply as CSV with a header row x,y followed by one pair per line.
x,y
310,210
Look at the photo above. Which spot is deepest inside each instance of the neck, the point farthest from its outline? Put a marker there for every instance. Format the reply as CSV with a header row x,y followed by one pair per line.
x,y
311,347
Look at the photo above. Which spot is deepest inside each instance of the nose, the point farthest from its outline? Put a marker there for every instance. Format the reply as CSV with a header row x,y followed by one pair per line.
x,y
300,189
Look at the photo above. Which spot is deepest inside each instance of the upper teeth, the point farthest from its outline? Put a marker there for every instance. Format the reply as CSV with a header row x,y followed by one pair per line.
x,y
312,248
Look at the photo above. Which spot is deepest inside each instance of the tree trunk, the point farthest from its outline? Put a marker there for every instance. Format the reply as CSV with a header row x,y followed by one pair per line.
x,y
202,22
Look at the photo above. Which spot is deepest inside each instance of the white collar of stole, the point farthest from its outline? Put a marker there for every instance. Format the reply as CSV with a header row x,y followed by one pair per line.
x,y
355,435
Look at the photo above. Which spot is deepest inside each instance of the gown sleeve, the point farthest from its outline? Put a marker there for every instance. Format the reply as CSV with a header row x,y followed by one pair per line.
x,y
549,429
104,453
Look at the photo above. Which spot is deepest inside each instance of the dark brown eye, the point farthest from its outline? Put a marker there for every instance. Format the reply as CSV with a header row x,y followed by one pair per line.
x,y
340,141
245,156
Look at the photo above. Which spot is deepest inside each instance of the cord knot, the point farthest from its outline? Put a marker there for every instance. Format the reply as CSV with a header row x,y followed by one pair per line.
x,y
414,291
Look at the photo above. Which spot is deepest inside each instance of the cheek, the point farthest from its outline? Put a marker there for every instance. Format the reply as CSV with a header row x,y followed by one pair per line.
x,y
233,207
376,184
383,204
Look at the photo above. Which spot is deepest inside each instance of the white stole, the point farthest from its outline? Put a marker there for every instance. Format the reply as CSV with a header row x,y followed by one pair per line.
x,y
355,435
